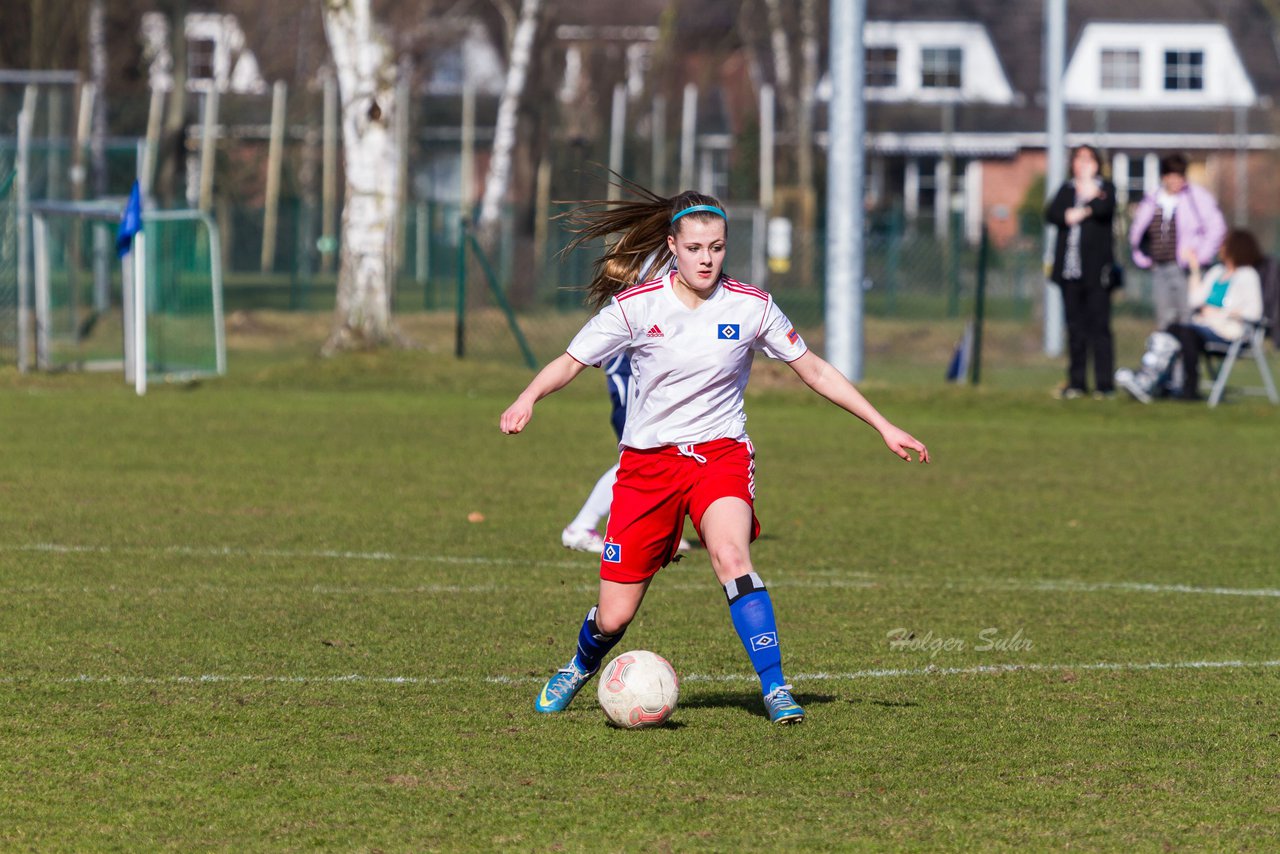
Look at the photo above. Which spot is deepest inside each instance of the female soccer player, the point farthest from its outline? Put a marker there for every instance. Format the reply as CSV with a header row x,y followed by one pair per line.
x,y
581,533
691,335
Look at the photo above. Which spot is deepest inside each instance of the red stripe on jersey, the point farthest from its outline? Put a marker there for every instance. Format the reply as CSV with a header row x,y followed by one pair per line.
x,y
763,317
729,280
748,290
637,290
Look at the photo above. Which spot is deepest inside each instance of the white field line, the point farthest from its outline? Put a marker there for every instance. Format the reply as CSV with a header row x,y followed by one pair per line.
x,y
352,590
485,589
1141,587
859,579
852,676
304,554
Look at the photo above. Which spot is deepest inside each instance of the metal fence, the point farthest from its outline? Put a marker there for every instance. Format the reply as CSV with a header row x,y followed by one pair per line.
x,y
911,271
909,274
8,260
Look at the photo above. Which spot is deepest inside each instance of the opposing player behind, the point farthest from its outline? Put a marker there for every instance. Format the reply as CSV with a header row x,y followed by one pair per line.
x,y
691,336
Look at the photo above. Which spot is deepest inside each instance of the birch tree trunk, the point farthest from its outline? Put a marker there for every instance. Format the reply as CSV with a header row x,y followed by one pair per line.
x,y
804,132
366,71
504,135
780,47
98,72
808,91
169,156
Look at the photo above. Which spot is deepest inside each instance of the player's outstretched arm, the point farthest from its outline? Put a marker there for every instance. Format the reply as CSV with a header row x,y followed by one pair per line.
x,y
556,375
819,375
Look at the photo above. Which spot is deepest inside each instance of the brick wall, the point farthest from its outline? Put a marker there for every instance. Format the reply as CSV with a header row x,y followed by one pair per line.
x,y
1004,187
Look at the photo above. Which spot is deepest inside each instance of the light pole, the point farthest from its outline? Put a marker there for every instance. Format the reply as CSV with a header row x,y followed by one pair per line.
x,y
1055,29
845,167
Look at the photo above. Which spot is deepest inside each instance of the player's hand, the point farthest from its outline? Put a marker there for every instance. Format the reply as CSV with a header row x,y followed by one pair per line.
x,y
901,443
516,416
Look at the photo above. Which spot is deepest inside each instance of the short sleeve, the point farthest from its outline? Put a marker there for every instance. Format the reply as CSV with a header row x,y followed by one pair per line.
x,y
605,336
778,338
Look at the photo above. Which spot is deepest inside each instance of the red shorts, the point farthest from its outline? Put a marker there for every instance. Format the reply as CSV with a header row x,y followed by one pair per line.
x,y
654,491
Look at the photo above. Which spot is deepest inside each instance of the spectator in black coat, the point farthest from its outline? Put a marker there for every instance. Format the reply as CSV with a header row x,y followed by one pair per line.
x,y
1083,267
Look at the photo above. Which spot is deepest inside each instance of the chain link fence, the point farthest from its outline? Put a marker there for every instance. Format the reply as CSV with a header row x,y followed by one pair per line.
x,y
913,269
910,274
8,260
54,169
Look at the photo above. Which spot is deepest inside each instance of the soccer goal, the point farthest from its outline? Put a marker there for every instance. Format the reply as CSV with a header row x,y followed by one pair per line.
x,y
158,316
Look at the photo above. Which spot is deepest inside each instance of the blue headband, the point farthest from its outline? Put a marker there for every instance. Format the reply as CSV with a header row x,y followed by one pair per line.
x,y
708,208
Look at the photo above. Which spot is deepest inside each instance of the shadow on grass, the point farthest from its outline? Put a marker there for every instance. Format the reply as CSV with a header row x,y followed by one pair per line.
x,y
887,704
668,725
748,701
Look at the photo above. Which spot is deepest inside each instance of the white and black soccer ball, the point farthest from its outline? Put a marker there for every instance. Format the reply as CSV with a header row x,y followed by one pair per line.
x,y
638,689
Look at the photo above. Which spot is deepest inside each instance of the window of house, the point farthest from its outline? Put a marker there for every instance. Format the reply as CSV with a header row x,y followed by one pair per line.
x,y
940,67
200,59
882,66
1184,70
927,187
1121,69
1137,186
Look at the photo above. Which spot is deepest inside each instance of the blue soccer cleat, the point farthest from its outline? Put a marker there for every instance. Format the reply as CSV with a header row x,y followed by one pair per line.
x,y
781,706
562,687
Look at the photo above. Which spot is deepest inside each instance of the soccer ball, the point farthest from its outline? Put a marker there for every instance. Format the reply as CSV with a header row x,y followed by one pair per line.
x,y
638,689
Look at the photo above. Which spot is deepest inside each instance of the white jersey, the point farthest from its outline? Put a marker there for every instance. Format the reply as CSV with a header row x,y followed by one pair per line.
x,y
689,366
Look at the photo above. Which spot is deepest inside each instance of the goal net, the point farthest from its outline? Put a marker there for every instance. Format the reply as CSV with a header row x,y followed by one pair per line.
x,y
160,307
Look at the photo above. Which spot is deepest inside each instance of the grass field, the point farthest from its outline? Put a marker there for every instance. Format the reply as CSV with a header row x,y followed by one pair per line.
x,y
252,614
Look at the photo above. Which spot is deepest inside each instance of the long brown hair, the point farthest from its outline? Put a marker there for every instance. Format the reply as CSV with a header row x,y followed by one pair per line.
x,y
1242,248
643,222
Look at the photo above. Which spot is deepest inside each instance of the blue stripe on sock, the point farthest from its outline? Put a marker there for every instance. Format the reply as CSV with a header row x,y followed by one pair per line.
x,y
592,645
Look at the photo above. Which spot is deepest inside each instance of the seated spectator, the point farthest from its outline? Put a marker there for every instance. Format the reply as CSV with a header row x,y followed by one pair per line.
x,y
1219,302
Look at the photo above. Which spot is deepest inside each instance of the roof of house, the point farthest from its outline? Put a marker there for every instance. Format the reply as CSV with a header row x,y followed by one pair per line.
x,y
1016,28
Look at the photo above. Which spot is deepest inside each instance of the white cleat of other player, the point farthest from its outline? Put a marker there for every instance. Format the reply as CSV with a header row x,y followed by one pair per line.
x,y
589,540
582,540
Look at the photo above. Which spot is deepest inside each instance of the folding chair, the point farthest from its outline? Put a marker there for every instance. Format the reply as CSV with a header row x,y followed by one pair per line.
x,y
1221,358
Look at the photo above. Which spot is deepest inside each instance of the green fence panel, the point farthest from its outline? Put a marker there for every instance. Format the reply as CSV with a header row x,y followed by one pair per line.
x,y
8,261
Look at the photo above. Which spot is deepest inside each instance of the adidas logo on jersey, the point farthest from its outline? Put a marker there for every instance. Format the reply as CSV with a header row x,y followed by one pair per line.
x,y
654,332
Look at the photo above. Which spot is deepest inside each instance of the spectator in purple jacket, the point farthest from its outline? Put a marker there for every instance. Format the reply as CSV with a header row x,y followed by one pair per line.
x,y
1180,218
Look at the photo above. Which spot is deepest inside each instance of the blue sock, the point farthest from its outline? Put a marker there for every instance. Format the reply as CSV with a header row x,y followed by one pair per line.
x,y
752,613
593,645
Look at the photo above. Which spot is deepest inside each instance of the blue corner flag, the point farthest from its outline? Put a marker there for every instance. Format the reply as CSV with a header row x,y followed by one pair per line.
x,y
130,222
958,369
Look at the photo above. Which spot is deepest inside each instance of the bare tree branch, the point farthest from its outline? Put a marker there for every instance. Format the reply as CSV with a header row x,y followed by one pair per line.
x,y
504,135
